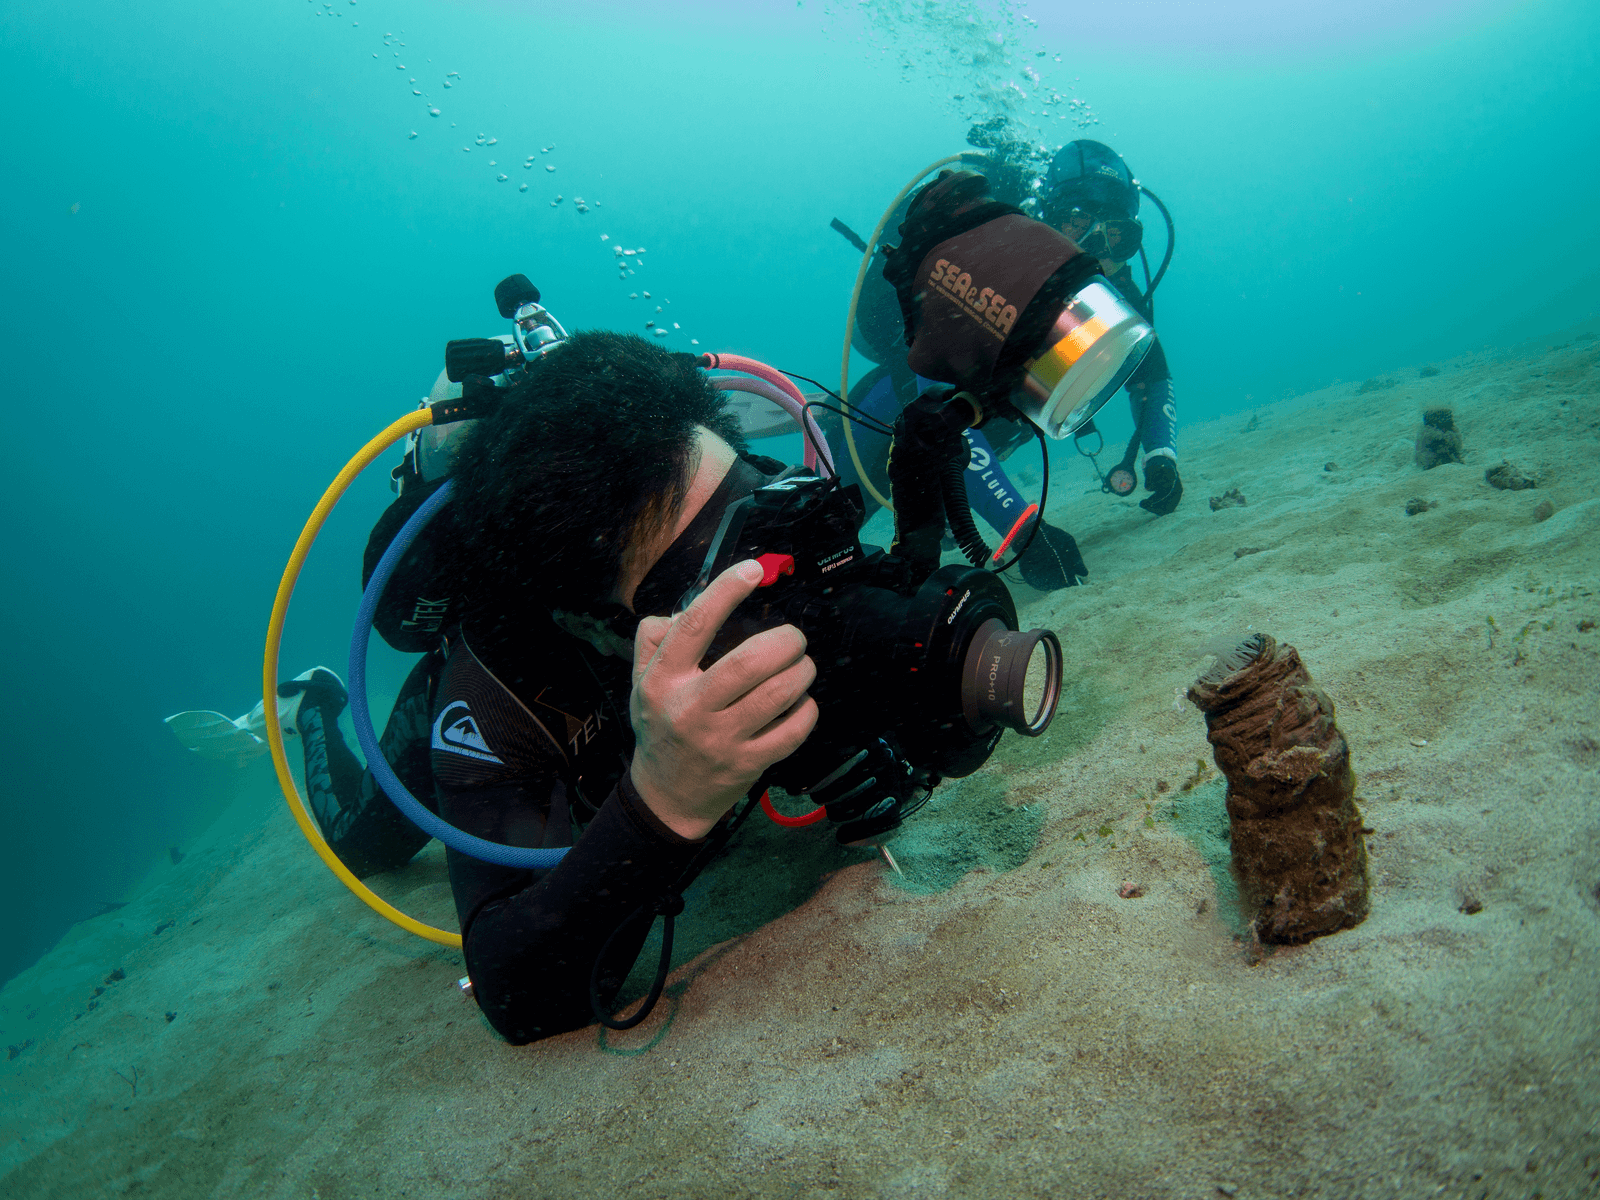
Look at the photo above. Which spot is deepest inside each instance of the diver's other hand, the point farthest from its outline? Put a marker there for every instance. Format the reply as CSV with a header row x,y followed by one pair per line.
x,y
704,737
1161,480
1052,560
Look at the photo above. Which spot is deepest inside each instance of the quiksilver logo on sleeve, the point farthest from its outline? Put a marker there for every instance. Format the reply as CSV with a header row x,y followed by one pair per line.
x,y
456,730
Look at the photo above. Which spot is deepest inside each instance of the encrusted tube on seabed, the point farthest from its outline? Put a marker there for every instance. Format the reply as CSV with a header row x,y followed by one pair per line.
x,y
1296,832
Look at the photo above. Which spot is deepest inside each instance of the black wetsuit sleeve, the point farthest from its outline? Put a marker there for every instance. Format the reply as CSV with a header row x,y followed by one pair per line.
x,y
530,938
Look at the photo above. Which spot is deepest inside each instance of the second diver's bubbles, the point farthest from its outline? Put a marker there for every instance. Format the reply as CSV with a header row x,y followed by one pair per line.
x,y
433,112
504,177
523,188
413,133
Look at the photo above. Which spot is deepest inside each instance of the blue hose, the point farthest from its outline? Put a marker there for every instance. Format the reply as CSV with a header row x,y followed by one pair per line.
x,y
520,857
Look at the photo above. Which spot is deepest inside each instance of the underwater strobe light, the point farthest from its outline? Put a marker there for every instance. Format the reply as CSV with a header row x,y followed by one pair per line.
x,y
1010,309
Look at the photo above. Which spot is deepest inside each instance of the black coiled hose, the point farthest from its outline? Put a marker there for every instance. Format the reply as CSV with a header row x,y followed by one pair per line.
x,y
958,512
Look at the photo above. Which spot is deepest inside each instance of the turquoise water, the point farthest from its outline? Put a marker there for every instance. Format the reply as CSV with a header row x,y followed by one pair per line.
x,y
228,263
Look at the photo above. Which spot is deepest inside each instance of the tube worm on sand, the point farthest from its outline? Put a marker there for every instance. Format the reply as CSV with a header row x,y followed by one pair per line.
x,y
1296,831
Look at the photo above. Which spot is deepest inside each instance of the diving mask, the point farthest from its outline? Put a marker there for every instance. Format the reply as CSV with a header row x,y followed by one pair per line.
x,y
1112,239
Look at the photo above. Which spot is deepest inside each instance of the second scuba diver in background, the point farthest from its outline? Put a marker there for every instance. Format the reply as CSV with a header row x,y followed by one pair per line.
x,y
1088,193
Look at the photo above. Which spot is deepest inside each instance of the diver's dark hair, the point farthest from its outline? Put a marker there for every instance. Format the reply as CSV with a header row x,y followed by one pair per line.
x,y
591,451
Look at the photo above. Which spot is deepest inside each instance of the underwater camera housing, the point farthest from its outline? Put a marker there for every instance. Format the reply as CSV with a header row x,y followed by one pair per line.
x,y
1009,309
931,664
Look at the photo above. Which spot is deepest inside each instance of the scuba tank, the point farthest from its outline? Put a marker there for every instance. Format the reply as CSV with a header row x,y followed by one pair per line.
x,y
420,600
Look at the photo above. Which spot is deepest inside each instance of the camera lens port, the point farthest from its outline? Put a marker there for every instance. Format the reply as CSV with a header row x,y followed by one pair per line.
x,y
1011,678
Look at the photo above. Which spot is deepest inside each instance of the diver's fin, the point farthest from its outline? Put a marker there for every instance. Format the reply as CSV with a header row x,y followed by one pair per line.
x,y
760,418
212,735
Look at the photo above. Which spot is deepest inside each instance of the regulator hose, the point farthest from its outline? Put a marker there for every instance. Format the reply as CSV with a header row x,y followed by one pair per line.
x,y
269,678
520,857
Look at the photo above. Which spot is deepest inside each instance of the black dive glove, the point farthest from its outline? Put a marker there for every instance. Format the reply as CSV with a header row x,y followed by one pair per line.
x,y
869,795
1161,480
1052,560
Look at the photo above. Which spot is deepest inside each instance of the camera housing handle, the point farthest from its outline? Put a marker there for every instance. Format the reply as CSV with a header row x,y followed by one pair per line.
x,y
925,477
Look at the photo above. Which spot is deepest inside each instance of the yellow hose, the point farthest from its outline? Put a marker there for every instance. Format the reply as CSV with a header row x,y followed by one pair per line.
x,y
855,300
269,677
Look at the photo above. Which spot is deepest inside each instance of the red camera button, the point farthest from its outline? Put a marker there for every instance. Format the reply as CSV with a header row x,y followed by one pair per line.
x,y
773,565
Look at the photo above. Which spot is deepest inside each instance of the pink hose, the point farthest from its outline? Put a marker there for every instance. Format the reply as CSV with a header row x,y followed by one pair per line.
x,y
750,366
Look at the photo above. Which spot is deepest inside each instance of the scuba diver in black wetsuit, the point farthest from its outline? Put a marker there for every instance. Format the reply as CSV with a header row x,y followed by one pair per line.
x,y
517,724
1091,196
562,721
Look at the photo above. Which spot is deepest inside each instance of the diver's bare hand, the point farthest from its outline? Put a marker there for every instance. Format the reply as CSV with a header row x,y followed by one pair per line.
x,y
703,737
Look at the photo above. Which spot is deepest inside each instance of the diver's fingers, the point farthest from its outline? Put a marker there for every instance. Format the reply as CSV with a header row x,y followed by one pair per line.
x,y
770,698
686,643
785,734
750,664
647,641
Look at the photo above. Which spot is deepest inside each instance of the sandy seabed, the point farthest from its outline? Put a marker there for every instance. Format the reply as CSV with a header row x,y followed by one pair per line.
x,y
1002,1022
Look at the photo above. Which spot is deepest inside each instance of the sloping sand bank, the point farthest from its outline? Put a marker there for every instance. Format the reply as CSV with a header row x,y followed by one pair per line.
x,y
1002,1023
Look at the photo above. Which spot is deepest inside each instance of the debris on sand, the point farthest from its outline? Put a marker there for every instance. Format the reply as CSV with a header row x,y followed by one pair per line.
x,y
1418,505
1232,498
1507,478
1438,441
1296,833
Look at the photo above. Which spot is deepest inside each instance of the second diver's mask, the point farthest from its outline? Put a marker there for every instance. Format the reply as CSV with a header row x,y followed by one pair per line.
x,y
1111,239
1010,309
